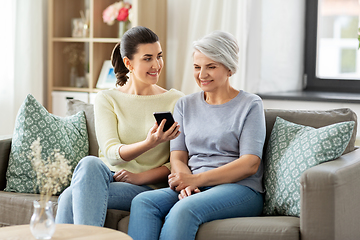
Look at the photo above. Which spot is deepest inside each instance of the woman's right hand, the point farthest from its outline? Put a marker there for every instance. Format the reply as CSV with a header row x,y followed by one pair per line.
x,y
156,135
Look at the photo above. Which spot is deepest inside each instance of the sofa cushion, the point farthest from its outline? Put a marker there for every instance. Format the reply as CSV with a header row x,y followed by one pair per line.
x,y
68,135
314,119
123,224
251,228
246,228
292,149
73,107
17,208
114,217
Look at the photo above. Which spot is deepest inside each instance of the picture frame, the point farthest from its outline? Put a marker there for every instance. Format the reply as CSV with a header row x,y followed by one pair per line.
x,y
107,78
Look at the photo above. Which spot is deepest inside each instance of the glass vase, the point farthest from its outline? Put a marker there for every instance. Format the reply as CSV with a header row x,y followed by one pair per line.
x,y
42,223
123,27
73,76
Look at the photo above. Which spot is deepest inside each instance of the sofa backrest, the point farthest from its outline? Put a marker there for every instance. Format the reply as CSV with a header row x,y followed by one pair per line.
x,y
5,146
310,118
305,117
74,106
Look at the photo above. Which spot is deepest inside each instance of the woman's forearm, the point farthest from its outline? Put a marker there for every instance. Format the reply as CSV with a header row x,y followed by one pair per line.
x,y
232,172
132,151
153,176
179,160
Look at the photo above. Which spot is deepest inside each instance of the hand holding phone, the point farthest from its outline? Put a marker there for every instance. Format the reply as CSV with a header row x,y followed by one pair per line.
x,y
159,116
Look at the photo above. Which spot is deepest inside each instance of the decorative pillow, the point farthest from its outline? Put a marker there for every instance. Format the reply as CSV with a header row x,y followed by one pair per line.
x,y
69,135
291,150
313,118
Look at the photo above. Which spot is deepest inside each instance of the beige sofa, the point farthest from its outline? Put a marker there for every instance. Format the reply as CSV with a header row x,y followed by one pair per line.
x,y
330,192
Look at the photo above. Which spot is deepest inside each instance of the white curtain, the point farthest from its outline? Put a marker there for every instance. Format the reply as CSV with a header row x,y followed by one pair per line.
x,y
270,35
282,45
189,20
22,59
7,23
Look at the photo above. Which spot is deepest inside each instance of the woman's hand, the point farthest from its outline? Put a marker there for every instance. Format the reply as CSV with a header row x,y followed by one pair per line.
x,y
152,176
179,181
128,177
156,135
189,190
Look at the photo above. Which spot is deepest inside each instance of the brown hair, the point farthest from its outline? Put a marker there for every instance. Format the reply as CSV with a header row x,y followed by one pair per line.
x,y
127,47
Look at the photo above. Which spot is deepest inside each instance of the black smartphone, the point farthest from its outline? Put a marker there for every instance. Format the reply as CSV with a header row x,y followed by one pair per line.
x,y
159,116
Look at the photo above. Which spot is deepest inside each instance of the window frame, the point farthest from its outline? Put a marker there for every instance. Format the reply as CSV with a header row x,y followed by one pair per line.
x,y
311,81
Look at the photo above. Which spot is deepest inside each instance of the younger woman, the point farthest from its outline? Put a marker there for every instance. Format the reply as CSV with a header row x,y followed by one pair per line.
x,y
134,150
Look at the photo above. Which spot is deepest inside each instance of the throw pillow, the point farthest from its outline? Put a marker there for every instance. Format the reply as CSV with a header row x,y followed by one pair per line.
x,y
292,149
68,135
313,118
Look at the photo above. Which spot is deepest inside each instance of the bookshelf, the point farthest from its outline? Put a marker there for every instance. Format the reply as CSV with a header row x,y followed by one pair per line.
x,y
94,46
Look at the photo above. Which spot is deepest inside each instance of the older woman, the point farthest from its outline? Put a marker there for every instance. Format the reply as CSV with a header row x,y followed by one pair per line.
x,y
216,161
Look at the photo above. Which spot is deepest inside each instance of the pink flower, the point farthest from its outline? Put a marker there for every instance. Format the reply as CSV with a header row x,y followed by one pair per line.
x,y
110,14
123,14
116,11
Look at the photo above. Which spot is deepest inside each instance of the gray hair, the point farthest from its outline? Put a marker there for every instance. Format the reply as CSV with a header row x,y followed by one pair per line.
x,y
220,47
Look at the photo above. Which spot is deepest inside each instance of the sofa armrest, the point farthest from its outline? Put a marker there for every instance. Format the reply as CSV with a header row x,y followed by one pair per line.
x,y
330,199
5,146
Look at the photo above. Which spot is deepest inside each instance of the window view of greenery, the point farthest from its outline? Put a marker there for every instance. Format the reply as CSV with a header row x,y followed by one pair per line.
x,y
338,56
348,61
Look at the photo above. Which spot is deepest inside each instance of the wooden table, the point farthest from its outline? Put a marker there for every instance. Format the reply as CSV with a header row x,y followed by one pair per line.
x,y
64,231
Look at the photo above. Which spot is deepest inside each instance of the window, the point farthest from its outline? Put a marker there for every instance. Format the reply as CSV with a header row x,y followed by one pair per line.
x,y
332,58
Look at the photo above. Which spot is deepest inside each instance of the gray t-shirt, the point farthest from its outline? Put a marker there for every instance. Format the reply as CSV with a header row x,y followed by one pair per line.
x,y
215,135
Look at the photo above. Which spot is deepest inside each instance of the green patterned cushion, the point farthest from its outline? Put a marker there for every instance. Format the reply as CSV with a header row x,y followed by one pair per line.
x,y
69,135
291,150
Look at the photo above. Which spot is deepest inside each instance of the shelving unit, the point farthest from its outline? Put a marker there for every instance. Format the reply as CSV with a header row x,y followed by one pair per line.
x,y
99,43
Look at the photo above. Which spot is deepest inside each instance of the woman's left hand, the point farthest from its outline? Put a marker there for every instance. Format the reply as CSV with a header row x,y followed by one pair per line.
x,y
179,181
189,190
128,177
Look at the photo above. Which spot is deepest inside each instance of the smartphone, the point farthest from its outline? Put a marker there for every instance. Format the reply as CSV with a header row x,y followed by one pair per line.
x,y
159,116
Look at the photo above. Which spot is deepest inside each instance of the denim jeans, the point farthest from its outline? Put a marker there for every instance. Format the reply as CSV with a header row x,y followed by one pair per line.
x,y
91,192
162,216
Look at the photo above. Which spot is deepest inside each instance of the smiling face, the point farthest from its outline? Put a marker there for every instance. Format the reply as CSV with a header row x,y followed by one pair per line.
x,y
211,76
147,63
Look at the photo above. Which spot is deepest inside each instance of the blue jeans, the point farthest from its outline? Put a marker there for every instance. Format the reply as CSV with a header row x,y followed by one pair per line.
x,y
162,216
92,192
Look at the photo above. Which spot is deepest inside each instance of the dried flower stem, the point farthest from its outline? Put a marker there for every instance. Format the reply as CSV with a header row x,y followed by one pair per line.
x,y
75,54
51,174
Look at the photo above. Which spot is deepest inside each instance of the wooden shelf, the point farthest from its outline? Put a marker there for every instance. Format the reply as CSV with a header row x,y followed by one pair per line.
x,y
100,40
106,40
71,89
97,46
70,39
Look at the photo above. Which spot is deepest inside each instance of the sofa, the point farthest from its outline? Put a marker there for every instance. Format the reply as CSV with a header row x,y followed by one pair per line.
x,y
329,191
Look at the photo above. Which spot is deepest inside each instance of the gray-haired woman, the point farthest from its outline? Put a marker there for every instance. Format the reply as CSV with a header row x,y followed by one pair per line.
x,y
216,161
